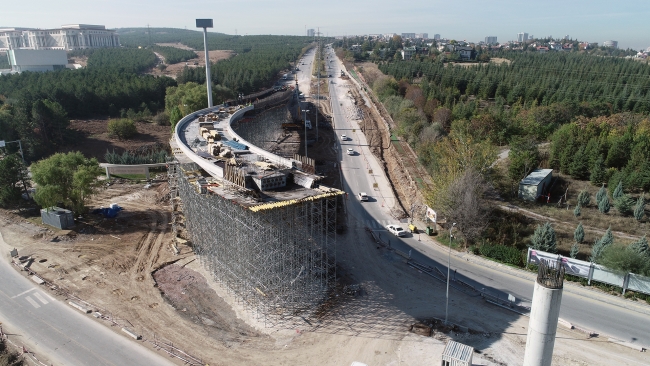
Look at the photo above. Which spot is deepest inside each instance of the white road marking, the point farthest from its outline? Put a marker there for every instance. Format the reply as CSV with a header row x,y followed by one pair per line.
x,y
31,301
40,298
22,293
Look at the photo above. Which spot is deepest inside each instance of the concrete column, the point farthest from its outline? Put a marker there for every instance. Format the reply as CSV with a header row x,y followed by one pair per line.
x,y
544,314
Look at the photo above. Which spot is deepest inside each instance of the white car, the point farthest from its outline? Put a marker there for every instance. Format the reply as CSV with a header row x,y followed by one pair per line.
x,y
344,138
363,196
350,152
396,230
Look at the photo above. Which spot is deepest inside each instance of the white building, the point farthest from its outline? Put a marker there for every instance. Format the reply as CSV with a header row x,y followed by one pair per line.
x,y
613,44
37,60
491,40
69,37
422,35
522,37
408,35
310,33
436,37
409,52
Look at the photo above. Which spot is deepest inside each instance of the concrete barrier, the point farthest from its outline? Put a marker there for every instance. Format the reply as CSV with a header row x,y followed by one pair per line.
x,y
627,344
79,307
37,279
131,333
565,323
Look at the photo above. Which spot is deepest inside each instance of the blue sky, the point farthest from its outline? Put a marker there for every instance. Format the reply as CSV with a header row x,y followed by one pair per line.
x,y
626,21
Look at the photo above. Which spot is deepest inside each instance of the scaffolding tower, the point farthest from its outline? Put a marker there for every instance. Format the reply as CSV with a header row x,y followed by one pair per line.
x,y
277,258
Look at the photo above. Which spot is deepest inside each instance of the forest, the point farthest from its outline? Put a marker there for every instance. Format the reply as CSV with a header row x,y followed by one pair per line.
x,y
592,111
174,55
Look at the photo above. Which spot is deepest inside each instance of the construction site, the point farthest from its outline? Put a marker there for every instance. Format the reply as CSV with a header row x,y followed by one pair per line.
x,y
260,223
238,255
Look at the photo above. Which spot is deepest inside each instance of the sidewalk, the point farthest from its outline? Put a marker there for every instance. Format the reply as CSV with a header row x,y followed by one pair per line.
x,y
570,287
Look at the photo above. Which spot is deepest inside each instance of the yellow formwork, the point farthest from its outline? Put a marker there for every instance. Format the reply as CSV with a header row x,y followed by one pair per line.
x,y
274,205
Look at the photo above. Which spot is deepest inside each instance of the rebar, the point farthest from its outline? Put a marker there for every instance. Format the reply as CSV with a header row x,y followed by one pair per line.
x,y
550,274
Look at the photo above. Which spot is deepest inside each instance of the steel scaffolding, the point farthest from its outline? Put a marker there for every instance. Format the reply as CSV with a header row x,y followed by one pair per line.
x,y
278,260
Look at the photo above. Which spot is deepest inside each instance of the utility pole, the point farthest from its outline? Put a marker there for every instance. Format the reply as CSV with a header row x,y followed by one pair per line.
x,y
205,24
320,53
448,273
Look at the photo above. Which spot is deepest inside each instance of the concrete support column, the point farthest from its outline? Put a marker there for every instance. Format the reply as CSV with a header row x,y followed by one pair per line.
x,y
207,67
544,315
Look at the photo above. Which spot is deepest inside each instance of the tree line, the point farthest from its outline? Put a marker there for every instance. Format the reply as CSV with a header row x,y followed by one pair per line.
x,y
174,55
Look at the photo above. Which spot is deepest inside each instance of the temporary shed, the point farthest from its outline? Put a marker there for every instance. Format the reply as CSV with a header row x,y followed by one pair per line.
x,y
535,184
457,354
58,217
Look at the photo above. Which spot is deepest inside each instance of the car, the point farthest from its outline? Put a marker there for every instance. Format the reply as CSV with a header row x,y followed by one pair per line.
x,y
396,230
344,138
363,196
350,152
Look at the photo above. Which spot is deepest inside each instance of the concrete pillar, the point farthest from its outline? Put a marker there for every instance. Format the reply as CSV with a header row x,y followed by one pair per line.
x,y
544,315
207,67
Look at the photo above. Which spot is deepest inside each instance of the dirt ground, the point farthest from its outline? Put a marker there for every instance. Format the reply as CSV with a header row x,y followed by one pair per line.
x,y
124,268
92,139
173,69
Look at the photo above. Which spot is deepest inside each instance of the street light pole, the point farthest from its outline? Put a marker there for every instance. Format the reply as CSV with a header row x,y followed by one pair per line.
x,y
205,24
448,273
305,120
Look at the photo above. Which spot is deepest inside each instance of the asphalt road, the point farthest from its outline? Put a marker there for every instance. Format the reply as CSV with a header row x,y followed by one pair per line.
x,y
588,309
55,330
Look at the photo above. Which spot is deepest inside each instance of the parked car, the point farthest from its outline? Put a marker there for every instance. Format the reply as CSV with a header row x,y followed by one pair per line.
x,y
344,137
396,230
350,152
363,196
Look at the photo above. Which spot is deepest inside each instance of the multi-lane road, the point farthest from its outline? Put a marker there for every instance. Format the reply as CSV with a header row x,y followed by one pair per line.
x,y
598,312
59,333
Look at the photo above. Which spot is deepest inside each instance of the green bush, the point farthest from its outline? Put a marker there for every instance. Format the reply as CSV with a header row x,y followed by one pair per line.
x,y
502,253
122,128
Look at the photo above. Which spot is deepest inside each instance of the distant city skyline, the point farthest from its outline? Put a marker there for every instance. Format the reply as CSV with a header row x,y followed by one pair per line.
x,y
470,20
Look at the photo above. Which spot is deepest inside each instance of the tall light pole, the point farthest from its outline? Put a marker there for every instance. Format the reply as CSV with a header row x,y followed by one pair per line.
x,y
205,24
448,273
305,111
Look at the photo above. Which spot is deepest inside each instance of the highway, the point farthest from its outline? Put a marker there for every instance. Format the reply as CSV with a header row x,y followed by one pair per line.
x,y
589,309
59,333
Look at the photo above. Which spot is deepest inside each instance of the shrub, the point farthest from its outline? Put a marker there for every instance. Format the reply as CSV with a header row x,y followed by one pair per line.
x,y
575,249
602,192
579,234
122,128
161,119
639,209
576,211
624,205
584,198
603,205
502,253
544,238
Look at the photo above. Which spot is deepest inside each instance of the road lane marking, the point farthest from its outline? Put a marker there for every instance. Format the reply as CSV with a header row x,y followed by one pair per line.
x,y
22,293
40,298
31,301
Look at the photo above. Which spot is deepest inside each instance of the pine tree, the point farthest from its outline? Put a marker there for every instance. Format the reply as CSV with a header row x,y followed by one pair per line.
x,y
602,192
584,198
576,211
575,249
618,191
579,167
603,205
608,238
624,205
579,234
598,173
639,209
641,246
596,251
544,238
